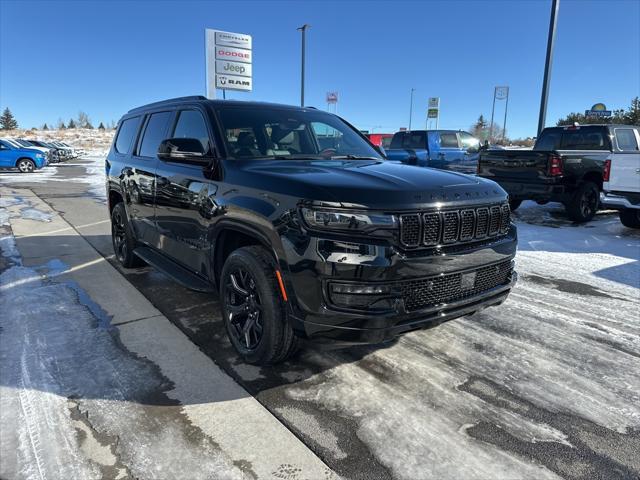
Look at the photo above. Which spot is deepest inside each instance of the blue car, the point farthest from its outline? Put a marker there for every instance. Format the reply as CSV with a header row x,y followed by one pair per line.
x,y
444,149
24,159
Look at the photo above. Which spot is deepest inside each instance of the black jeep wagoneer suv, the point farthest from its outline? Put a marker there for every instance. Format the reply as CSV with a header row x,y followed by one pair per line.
x,y
301,225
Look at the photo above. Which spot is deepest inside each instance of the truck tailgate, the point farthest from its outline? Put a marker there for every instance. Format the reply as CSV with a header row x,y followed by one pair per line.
x,y
523,166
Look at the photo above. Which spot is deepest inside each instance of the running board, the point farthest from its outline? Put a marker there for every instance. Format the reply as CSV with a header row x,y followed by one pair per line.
x,y
178,273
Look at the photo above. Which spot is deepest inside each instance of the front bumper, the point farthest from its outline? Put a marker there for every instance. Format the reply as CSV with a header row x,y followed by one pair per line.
x,y
315,316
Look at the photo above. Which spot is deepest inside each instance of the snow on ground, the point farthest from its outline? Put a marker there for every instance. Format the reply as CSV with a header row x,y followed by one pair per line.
x,y
64,377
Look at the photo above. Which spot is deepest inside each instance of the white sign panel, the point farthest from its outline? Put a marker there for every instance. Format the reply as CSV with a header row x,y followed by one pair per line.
x,y
233,82
233,68
233,54
434,102
238,40
502,93
229,59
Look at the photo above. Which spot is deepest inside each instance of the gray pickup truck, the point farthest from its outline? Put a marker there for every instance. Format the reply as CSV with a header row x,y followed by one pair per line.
x,y
567,165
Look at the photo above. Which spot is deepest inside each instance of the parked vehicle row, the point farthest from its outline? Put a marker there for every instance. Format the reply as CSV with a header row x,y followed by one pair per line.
x,y
27,154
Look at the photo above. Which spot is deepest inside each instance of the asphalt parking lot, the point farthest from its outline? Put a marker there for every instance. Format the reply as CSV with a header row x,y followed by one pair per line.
x,y
545,386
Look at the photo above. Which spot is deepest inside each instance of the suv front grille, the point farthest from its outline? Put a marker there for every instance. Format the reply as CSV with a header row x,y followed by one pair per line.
x,y
427,292
453,226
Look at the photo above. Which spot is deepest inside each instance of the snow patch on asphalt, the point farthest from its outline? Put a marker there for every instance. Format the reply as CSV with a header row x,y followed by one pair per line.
x,y
53,349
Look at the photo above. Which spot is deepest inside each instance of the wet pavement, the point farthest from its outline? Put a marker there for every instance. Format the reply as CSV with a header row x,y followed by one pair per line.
x,y
546,385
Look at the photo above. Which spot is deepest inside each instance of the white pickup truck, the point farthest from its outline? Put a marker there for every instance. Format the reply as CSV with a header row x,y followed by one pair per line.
x,y
621,179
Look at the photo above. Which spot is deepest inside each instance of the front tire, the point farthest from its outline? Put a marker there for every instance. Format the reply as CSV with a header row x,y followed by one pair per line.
x,y
253,309
122,238
584,204
630,217
514,204
25,165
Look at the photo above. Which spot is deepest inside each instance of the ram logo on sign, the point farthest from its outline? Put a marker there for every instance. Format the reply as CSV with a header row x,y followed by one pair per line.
x,y
229,59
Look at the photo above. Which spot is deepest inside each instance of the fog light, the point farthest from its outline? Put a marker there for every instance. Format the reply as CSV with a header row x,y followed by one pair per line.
x,y
360,296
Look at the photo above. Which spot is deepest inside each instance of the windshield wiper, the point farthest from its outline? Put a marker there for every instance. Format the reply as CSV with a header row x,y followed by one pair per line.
x,y
354,157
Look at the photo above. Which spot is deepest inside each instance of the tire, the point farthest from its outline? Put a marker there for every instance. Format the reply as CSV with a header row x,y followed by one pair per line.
x,y
514,204
584,204
630,217
25,165
250,292
122,238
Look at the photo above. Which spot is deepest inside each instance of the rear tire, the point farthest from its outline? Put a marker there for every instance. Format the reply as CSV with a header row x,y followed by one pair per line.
x,y
630,217
122,238
253,309
584,204
25,165
514,204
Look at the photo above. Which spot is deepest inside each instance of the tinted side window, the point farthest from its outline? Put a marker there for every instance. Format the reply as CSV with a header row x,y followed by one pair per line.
x,y
583,139
126,132
448,140
396,141
626,139
191,124
414,140
154,133
549,140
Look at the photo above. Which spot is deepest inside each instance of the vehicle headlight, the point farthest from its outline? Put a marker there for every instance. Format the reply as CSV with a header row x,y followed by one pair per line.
x,y
39,155
347,221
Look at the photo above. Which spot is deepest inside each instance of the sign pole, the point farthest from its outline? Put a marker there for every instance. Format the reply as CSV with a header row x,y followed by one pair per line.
x,y
504,125
493,109
411,109
303,29
555,6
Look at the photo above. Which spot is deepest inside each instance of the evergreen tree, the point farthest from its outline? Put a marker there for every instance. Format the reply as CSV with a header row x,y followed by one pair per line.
x,y
45,127
88,125
479,129
7,120
101,126
61,125
71,124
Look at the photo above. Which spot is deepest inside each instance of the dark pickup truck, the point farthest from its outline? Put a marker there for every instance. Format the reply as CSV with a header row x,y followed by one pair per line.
x,y
566,165
300,225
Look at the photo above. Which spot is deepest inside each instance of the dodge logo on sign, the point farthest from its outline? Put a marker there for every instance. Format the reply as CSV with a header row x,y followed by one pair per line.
x,y
233,54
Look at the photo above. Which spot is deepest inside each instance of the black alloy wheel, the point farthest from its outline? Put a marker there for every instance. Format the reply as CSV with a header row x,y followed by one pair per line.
x,y
122,238
585,202
244,309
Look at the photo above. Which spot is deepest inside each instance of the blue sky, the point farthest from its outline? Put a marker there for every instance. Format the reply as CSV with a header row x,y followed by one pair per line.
x,y
57,58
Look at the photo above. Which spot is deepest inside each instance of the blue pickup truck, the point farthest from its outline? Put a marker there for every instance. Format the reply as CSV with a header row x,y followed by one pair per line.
x,y
26,160
444,149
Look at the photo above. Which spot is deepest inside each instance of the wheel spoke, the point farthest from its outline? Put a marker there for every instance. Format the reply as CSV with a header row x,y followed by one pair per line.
x,y
236,310
236,286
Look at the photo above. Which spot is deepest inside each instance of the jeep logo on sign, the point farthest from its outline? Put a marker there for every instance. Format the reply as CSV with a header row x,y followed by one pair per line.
x,y
233,68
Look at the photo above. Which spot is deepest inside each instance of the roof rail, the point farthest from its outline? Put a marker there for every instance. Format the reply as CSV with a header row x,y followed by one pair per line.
x,y
168,101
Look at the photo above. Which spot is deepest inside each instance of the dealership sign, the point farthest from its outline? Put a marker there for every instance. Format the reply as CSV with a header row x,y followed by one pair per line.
x,y
598,110
229,59
433,110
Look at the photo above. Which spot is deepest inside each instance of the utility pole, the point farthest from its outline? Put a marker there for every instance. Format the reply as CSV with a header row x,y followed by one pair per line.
x,y
411,109
302,29
555,6
504,125
493,109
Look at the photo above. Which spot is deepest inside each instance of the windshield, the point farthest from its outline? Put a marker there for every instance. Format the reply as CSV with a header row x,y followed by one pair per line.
x,y
289,134
24,143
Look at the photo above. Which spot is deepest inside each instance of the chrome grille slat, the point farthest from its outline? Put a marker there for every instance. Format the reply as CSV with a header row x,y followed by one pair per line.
x,y
450,227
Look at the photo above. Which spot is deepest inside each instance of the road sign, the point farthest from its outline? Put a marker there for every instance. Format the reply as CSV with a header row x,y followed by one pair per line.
x,y
229,59
332,97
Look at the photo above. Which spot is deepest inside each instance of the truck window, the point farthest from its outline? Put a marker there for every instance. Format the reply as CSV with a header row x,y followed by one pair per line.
x,y
469,142
386,142
414,140
548,140
583,139
448,140
626,139
126,132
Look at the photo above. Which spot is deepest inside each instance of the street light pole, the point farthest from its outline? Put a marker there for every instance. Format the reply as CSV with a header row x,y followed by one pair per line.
x,y
302,29
555,6
411,109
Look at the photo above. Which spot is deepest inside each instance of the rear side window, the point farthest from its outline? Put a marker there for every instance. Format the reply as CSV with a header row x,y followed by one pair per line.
x,y
126,132
154,133
626,139
191,124
549,140
448,140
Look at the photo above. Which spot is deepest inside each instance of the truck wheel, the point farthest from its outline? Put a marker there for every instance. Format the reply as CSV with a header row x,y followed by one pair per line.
x,y
584,204
123,239
253,309
514,204
25,165
630,217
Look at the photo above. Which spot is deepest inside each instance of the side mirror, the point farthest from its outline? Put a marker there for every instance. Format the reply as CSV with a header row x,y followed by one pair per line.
x,y
183,150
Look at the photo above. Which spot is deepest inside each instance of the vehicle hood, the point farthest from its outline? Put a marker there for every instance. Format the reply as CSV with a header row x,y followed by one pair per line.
x,y
367,184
